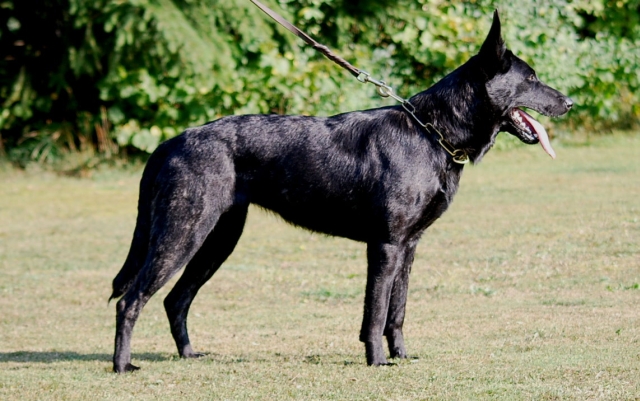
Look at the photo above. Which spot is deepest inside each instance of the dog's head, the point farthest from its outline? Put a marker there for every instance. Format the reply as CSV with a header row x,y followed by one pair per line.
x,y
512,85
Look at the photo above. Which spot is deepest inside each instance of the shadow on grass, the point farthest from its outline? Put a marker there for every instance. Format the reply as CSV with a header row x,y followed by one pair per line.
x,y
55,356
62,356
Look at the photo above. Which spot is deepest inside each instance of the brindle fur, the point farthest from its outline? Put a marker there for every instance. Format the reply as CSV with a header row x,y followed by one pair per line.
x,y
373,176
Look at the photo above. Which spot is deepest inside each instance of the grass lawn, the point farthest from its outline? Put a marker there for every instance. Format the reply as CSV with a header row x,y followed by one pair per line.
x,y
527,288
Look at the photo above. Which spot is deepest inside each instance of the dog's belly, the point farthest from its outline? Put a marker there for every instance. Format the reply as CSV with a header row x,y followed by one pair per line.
x,y
339,217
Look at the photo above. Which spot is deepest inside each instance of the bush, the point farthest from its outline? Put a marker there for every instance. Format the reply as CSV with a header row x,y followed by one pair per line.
x,y
85,73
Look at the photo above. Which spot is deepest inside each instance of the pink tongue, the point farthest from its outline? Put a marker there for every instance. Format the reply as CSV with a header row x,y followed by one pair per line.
x,y
542,134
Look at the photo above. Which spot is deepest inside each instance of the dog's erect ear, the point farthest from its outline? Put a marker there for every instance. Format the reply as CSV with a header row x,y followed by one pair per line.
x,y
493,48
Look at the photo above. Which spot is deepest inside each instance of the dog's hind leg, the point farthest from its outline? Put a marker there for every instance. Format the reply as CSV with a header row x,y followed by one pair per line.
x,y
397,304
384,262
166,256
215,250
186,208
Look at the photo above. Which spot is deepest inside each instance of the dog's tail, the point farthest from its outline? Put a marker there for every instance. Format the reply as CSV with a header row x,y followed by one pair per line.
x,y
140,242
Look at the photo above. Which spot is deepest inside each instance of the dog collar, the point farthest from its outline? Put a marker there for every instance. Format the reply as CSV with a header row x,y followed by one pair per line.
x,y
459,156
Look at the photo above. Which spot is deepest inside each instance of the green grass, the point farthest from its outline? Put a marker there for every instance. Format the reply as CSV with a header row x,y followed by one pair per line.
x,y
527,288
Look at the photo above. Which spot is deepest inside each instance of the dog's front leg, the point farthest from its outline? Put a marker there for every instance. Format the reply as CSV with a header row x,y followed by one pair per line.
x,y
384,262
397,305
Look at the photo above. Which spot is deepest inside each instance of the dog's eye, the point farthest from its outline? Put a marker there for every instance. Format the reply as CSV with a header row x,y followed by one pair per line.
x,y
532,78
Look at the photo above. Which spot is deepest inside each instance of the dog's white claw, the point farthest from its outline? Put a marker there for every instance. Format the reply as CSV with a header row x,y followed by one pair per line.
x,y
543,137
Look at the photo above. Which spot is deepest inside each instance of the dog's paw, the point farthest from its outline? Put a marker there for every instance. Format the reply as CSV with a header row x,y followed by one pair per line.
x,y
379,362
193,355
127,368
398,354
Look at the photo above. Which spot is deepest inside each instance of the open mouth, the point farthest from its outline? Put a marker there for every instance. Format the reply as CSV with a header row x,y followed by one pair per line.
x,y
530,130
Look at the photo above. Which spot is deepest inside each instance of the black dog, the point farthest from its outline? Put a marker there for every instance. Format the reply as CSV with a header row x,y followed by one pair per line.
x,y
374,176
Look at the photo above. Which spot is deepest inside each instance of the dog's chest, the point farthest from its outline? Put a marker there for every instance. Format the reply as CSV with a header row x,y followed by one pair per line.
x,y
431,201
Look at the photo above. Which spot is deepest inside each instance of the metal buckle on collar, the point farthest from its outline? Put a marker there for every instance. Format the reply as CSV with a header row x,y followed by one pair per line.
x,y
462,158
459,156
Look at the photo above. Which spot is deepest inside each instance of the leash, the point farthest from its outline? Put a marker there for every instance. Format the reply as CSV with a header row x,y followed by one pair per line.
x,y
459,156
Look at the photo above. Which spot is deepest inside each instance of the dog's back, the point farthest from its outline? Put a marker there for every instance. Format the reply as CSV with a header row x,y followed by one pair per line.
x,y
333,175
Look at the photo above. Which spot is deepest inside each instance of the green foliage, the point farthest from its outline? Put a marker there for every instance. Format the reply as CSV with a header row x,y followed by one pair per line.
x,y
81,72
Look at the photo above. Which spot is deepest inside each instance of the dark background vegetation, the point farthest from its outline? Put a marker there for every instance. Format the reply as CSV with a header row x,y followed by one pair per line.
x,y
117,76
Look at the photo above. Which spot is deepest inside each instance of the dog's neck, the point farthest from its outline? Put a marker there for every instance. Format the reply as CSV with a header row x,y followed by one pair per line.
x,y
461,111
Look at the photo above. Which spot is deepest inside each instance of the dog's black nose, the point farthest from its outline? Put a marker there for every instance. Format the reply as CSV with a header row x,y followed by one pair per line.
x,y
568,103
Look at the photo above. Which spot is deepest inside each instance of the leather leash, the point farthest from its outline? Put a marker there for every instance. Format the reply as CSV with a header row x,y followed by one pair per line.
x,y
459,156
